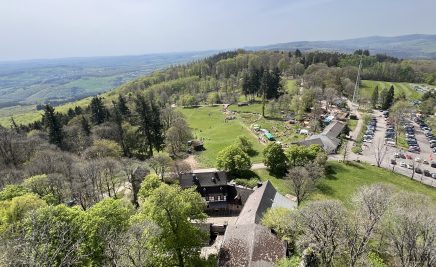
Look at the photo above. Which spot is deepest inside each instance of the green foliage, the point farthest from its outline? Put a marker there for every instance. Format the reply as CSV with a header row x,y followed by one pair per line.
x,y
213,98
99,113
374,97
102,222
275,158
11,191
104,148
174,209
53,123
188,100
280,220
245,144
300,155
233,159
293,261
375,260
15,210
38,184
150,183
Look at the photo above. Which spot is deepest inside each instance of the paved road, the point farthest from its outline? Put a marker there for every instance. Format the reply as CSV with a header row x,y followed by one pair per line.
x,y
255,166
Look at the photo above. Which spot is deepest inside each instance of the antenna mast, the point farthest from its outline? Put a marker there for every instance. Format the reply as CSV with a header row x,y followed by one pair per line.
x,y
356,86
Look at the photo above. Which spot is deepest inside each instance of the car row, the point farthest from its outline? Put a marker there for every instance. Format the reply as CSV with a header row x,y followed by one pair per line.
x,y
390,133
370,130
428,134
411,138
417,170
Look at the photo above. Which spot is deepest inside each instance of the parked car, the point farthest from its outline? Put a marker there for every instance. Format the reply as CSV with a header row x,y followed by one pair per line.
x,y
427,173
433,175
393,162
409,166
418,170
425,162
390,143
403,164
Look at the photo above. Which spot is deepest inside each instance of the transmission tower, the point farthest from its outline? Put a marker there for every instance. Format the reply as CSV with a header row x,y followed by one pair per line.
x,y
356,86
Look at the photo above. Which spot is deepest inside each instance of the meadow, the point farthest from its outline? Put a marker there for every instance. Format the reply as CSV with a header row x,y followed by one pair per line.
x,y
367,88
208,123
343,180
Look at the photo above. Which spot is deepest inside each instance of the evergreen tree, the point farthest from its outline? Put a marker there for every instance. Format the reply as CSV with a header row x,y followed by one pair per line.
x,y
149,124
98,111
298,53
85,126
118,119
52,122
78,110
264,85
71,113
374,97
122,107
389,99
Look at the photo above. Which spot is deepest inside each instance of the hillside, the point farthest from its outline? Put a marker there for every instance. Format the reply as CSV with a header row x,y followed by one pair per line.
x,y
406,46
64,80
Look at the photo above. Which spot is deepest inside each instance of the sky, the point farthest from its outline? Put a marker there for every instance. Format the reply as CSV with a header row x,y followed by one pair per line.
x,y
33,29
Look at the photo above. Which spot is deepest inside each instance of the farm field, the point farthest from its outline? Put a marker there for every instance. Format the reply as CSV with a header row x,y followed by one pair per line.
x,y
208,123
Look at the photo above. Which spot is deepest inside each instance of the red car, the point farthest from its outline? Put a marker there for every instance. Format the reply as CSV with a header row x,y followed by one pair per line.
x,y
408,157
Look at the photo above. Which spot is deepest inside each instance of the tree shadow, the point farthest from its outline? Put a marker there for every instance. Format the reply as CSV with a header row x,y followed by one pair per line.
x,y
245,174
252,153
325,189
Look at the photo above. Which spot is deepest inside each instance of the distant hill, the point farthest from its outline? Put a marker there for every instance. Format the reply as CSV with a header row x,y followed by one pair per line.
x,y
58,81
416,46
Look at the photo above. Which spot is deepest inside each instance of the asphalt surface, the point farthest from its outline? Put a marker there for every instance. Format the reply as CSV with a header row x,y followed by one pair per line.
x,y
368,153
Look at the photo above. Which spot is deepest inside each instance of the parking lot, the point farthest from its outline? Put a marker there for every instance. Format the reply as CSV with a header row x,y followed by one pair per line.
x,y
416,162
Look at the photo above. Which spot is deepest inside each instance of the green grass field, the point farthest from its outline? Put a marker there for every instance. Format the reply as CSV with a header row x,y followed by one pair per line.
x,y
208,123
344,180
368,86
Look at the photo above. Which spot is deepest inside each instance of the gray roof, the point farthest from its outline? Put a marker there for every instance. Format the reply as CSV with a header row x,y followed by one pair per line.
x,y
205,179
334,129
329,144
250,245
328,139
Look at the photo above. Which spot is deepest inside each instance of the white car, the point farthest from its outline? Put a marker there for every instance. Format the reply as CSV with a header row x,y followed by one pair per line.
x,y
410,166
390,143
433,175
402,164
418,159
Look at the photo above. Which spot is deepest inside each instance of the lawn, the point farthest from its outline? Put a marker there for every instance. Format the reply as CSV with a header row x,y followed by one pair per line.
x,y
344,180
368,86
352,124
208,123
